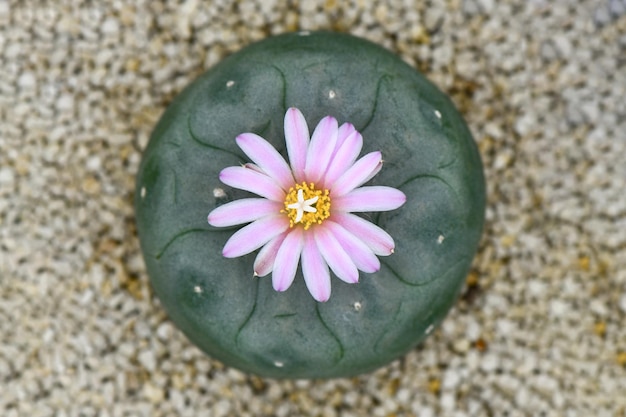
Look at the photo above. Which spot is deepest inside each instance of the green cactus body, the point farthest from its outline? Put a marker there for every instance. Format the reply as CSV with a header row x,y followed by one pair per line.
x,y
429,154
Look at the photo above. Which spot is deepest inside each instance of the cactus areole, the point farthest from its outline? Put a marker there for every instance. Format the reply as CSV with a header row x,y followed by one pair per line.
x,y
345,201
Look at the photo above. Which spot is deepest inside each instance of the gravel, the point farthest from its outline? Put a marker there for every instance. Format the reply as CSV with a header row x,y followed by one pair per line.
x,y
539,330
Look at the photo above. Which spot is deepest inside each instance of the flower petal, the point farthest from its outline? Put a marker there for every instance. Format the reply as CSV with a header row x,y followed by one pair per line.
x,y
267,158
361,254
243,211
373,236
375,171
297,139
251,180
344,131
250,165
357,174
373,198
320,149
336,257
344,157
264,262
255,235
315,270
287,259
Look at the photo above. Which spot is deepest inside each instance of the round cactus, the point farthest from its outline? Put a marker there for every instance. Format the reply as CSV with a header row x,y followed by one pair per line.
x,y
429,156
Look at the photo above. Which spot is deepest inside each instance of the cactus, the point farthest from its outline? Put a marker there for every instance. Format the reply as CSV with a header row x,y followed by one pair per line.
x,y
428,154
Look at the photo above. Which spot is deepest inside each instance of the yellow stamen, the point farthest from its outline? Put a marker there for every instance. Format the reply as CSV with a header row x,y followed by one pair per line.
x,y
306,205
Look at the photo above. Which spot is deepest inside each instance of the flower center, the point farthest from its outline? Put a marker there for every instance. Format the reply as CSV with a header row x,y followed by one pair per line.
x,y
304,204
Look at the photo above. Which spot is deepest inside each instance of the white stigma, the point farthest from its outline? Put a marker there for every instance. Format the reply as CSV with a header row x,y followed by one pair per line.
x,y
303,205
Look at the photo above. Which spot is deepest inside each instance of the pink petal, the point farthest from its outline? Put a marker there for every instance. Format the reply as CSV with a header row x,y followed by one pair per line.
x,y
287,259
264,262
373,198
361,254
320,149
267,158
344,157
373,236
243,211
297,139
315,270
357,174
250,165
251,180
343,132
375,171
255,235
336,257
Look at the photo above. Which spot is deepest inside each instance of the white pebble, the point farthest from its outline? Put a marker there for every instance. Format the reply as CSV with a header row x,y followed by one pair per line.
x,y
505,327
12,51
147,360
426,412
7,177
622,302
110,26
433,18
448,401
490,363
164,331
617,7
27,81
486,5
94,163
152,393
558,308
66,103
451,379
5,8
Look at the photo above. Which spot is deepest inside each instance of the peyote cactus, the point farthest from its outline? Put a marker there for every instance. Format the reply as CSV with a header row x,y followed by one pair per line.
x,y
429,156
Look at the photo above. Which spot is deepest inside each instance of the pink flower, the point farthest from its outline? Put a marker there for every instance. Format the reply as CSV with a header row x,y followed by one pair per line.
x,y
304,213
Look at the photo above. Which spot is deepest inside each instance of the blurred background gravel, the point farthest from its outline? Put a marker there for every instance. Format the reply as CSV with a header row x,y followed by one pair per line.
x,y
539,329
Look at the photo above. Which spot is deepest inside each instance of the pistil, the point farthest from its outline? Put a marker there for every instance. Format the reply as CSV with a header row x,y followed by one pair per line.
x,y
307,206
